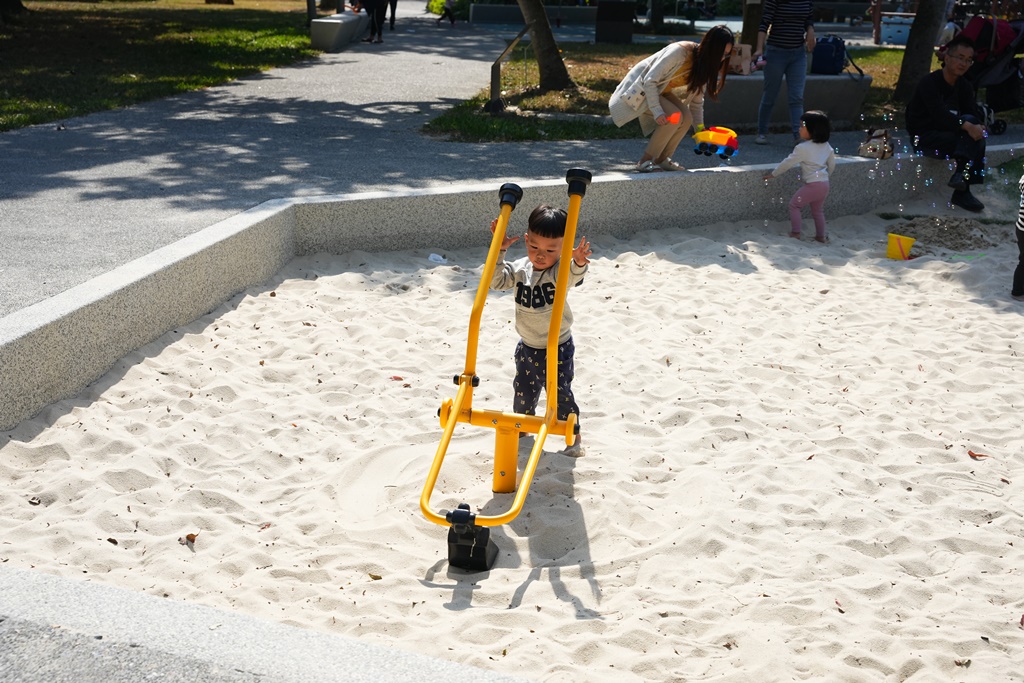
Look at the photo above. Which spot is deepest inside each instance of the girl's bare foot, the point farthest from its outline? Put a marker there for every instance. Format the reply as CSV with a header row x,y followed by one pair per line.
x,y
794,235
823,240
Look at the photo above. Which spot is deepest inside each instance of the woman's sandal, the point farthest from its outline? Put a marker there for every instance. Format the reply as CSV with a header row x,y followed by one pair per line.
x,y
669,165
646,167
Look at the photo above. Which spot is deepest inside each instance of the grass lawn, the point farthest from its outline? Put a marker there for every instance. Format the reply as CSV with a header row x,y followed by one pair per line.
x,y
66,59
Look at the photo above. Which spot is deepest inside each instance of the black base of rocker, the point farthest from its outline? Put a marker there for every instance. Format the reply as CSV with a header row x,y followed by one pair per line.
x,y
469,546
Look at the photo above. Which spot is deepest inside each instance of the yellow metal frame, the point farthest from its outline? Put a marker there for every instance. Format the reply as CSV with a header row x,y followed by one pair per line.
x,y
507,425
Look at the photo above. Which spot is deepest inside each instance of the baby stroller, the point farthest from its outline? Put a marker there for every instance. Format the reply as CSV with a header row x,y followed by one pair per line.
x,y
997,67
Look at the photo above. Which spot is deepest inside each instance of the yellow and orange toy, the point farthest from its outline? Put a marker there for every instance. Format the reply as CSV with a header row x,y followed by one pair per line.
x,y
469,544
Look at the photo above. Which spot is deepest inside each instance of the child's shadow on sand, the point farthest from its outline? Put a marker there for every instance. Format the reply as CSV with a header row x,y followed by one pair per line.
x,y
554,526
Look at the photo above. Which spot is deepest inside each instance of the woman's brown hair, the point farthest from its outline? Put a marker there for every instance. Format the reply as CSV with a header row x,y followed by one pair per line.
x,y
707,72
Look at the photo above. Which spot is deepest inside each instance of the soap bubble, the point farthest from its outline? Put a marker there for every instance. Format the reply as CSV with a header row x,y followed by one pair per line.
x,y
871,174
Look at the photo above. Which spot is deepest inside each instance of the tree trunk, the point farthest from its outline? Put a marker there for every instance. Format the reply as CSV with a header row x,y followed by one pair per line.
x,y
917,58
553,74
752,12
8,8
657,14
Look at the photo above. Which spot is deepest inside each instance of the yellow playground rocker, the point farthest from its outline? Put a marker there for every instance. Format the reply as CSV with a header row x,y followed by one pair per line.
x,y
469,537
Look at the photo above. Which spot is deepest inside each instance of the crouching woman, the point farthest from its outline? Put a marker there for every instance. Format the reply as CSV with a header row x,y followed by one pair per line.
x,y
648,94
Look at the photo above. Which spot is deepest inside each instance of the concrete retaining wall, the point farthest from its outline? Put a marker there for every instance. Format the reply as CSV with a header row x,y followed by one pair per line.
x,y
55,348
841,97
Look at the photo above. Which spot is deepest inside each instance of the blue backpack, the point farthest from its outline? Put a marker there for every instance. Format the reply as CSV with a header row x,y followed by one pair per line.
x,y
830,56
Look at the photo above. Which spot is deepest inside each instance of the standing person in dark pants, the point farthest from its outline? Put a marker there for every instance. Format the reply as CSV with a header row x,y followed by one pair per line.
x,y
785,36
944,122
448,12
375,9
394,6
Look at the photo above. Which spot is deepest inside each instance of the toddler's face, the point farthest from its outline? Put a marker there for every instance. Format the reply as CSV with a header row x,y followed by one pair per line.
x,y
804,133
543,252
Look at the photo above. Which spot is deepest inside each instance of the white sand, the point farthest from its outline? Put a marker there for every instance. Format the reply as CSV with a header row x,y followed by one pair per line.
x,y
777,483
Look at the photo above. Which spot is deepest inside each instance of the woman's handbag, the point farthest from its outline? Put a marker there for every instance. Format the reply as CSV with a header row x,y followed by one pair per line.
x,y
877,145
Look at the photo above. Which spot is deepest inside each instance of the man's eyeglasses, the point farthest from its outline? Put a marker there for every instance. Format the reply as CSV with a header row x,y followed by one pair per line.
x,y
961,58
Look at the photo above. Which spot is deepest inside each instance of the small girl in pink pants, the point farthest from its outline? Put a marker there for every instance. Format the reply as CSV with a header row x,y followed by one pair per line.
x,y
817,161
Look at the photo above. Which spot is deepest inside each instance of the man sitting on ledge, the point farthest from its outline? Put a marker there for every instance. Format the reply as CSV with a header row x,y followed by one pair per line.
x,y
944,122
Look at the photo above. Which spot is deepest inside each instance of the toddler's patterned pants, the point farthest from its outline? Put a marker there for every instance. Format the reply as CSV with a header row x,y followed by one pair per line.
x,y
531,374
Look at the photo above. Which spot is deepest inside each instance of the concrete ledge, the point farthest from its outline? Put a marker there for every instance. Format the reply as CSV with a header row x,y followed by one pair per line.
x,y
89,633
511,14
336,32
58,346
55,348
839,96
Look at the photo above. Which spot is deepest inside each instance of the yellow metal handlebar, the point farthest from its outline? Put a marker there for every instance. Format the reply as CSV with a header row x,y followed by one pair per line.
x,y
508,425
561,292
485,284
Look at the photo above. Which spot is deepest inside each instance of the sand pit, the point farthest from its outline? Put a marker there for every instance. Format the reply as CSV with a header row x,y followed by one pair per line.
x,y
804,462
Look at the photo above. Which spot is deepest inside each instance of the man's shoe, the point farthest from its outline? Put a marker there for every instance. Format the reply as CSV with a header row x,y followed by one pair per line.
x,y
957,181
965,200
760,140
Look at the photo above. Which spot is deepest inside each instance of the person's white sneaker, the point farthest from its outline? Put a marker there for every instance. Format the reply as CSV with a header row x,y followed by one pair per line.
x,y
760,140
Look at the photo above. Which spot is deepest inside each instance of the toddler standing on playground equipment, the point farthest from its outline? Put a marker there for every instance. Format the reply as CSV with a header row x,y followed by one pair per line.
x,y
817,161
534,279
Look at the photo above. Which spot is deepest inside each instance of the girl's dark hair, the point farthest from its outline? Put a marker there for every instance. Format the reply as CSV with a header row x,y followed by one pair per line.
x,y
547,221
707,74
818,125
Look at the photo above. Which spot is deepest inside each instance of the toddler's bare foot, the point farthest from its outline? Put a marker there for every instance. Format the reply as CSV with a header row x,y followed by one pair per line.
x,y
795,235
823,240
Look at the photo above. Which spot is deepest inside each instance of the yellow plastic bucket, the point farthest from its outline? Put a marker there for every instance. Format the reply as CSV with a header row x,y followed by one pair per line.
x,y
899,247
